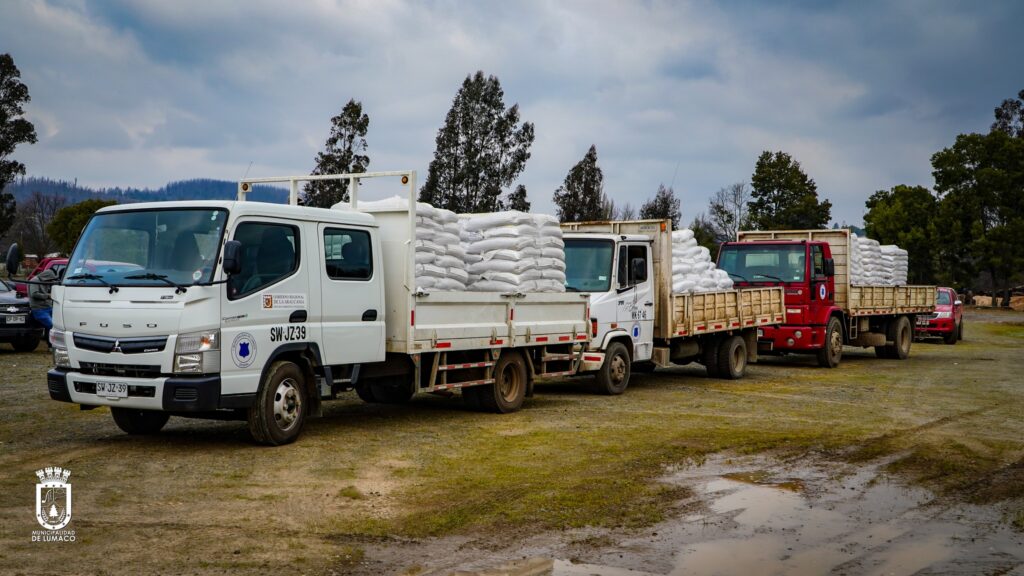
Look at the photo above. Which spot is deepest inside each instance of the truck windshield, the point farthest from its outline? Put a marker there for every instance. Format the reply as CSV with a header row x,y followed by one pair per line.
x,y
764,263
588,265
148,248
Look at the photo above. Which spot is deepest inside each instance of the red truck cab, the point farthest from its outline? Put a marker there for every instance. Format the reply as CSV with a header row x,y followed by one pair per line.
x,y
805,270
947,322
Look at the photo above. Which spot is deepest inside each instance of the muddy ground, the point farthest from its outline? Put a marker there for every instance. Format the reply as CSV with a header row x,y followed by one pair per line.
x,y
878,466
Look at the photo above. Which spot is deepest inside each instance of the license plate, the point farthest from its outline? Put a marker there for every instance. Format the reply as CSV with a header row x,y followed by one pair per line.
x,y
112,389
922,320
15,319
760,333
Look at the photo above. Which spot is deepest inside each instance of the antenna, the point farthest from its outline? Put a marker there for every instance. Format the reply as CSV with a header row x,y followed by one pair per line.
x,y
247,170
674,172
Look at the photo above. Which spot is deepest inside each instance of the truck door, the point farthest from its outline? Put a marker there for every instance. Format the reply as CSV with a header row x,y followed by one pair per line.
x,y
635,306
267,304
353,308
822,286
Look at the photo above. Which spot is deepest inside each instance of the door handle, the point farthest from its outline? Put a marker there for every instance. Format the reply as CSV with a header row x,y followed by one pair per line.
x,y
648,303
297,316
369,316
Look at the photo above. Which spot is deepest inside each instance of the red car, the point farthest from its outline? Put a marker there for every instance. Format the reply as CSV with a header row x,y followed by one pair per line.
x,y
56,264
947,321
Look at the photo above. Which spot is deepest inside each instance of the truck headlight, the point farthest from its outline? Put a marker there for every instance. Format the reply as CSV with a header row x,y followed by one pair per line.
x,y
197,352
57,338
61,358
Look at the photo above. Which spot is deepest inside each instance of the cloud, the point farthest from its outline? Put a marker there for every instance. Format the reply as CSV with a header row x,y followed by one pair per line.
x,y
140,93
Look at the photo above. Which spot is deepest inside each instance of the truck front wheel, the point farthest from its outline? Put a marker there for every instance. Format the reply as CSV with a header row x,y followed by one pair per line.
x,y
613,377
732,358
831,353
279,412
139,422
509,388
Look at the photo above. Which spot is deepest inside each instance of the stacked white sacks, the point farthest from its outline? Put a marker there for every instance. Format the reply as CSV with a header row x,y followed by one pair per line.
x,y
896,264
513,252
440,258
867,268
692,268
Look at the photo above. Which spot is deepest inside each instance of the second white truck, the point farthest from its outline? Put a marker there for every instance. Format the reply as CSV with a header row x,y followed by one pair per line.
x,y
636,322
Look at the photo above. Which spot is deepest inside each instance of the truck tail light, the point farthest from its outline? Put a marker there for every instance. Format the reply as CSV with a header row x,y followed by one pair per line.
x,y
593,327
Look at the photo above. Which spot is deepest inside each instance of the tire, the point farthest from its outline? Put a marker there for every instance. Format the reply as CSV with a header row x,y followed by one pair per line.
x,y
279,412
613,376
139,422
960,330
709,356
394,390
509,388
900,333
26,344
950,338
365,393
831,353
471,397
644,367
732,358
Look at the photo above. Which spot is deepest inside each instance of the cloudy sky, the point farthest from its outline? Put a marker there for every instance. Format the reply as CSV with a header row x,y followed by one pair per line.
x,y
861,93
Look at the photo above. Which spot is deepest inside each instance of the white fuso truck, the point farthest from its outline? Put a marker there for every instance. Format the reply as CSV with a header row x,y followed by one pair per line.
x,y
255,311
636,320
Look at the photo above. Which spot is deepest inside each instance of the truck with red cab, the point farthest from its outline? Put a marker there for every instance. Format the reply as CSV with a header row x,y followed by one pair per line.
x,y
824,310
947,322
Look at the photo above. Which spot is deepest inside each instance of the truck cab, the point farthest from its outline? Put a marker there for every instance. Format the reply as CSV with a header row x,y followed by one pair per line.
x,y
806,272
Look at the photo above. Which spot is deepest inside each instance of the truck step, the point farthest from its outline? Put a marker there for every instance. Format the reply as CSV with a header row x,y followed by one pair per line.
x,y
464,366
557,357
461,384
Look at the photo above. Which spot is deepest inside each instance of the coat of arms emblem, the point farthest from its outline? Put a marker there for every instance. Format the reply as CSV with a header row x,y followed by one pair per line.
x,y
53,498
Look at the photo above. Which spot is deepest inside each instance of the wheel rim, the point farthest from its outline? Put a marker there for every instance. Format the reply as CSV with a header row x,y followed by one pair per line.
x,y
287,404
836,345
510,383
617,369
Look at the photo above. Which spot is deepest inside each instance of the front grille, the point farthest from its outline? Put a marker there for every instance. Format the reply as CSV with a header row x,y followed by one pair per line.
x,y
186,394
123,370
107,345
134,390
14,309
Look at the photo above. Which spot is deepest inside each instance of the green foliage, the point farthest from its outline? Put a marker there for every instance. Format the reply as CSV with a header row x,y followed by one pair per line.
x,y
904,216
14,130
980,180
1010,116
664,205
481,149
344,153
783,197
69,221
517,200
581,197
727,211
705,234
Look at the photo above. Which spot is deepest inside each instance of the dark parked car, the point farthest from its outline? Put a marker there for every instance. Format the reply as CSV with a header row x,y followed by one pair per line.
x,y
17,327
947,321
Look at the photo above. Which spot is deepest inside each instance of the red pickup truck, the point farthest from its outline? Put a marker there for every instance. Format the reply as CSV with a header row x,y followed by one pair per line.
x,y
56,264
947,322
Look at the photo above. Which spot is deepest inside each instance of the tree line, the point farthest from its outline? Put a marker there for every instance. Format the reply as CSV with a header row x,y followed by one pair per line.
x,y
967,230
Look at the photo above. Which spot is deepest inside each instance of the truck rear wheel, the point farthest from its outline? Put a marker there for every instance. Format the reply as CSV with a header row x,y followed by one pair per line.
x,y
394,390
709,355
732,358
613,376
902,335
509,388
279,412
139,422
365,393
831,353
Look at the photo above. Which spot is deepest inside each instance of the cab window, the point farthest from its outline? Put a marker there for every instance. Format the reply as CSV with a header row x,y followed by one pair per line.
x,y
347,254
270,253
627,254
818,261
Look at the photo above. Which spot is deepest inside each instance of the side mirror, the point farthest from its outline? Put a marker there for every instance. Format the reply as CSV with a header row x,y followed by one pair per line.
x,y
830,267
958,303
232,257
13,259
639,270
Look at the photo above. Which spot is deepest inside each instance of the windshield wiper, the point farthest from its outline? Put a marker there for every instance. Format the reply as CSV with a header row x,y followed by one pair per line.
x,y
97,277
178,288
770,276
741,277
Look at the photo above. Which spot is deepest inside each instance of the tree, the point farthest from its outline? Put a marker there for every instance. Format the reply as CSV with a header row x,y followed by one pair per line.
x,y
480,150
627,212
980,181
581,197
783,197
517,200
344,153
14,130
904,216
704,234
68,222
1010,116
727,211
664,205
33,217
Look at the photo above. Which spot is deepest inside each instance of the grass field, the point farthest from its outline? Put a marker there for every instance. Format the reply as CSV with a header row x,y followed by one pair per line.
x,y
202,498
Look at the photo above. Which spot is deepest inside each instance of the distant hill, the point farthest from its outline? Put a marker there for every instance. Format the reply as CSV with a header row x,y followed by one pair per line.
x,y
197,189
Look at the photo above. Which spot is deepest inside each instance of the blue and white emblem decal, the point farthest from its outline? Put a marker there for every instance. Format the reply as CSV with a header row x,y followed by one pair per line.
x,y
636,330
243,350
822,291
